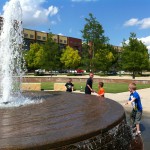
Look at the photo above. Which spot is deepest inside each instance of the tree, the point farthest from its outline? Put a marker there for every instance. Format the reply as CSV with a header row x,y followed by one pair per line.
x,y
93,36
34,57
51,54
85,61
70,58
134,56
43,56
103,60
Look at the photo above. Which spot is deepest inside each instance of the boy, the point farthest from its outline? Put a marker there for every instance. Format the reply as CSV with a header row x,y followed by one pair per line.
x,y
101,90
69,85
136,113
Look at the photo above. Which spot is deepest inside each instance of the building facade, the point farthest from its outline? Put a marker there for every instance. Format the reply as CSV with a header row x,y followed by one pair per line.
x,y
33,36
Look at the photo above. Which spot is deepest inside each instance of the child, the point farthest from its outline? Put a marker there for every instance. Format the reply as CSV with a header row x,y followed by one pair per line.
x,y
69,85
136,113
101,90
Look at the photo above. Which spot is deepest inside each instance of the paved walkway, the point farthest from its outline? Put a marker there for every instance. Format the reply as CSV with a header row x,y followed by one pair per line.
x,y
107,77
145,123
123,97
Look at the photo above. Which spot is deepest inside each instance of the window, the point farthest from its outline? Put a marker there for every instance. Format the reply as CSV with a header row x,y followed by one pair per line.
x,y
31,36
44,38
65,41
25,35
38,37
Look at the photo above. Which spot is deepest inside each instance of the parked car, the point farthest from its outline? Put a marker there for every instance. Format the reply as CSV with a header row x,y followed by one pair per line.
x,y
80,71
111,73
62,71
53,72
39,72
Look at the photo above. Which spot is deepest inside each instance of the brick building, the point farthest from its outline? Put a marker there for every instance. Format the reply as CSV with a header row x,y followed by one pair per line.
x,y
32,36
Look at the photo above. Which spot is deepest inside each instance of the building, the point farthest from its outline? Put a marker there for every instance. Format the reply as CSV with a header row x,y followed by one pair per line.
x,y
33,36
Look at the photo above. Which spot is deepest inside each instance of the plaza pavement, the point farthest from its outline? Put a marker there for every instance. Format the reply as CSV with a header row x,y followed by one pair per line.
x,y
123,97
145,99
145,122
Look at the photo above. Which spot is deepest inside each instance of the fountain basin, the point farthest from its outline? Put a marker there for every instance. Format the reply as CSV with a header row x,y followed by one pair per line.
x,y
64,121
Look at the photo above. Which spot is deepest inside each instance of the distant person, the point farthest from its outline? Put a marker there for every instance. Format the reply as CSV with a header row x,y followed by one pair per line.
x,y
136,114
69,85
101,91
89,83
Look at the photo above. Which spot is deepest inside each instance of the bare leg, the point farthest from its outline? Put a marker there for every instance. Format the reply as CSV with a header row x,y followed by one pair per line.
x,y
138,127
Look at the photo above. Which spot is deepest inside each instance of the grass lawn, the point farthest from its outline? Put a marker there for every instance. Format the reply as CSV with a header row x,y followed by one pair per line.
x,y
109,87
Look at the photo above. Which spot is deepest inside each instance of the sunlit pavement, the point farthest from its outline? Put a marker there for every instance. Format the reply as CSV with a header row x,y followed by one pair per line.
x,y
145,122
123,97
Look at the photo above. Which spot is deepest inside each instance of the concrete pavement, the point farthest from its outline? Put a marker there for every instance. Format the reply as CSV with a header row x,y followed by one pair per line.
x,y
123,97
145,122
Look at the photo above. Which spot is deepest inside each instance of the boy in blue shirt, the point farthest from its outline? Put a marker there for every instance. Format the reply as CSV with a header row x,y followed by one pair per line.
x,y
135,101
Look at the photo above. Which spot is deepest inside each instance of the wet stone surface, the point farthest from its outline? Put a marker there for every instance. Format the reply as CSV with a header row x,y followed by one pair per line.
x,y
63,121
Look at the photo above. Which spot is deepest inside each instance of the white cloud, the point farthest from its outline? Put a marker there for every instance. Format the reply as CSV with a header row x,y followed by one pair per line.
x,y
143,23
60,34
131,22
34,13
146,41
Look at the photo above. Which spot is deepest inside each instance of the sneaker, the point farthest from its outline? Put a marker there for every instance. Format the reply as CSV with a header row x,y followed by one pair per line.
x,y
138,133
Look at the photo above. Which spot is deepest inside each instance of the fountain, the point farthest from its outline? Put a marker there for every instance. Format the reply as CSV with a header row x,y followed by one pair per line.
x,y
51,120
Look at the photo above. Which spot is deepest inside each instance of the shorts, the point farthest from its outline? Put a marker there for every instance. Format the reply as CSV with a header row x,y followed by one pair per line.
x,y
135,117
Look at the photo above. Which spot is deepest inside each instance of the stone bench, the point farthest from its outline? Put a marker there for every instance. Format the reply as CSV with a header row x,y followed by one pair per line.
x,y
59,87
31,86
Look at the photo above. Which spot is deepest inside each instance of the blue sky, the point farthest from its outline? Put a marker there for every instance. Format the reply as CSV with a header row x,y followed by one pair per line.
x,y
67,17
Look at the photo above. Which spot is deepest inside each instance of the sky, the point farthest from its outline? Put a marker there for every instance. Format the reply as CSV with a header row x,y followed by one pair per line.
x,y
67,17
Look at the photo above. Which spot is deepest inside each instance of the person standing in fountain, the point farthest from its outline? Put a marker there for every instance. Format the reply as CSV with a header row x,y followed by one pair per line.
x,y
136,114
69,85
89,83
101,91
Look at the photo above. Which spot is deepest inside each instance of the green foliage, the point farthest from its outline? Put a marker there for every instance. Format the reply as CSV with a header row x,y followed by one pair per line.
x,y
43,56
135,56
51,54
93,36
34,56
70,58
103,59
109,87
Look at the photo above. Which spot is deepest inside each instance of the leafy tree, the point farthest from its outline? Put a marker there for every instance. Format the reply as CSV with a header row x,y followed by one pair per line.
x,y
70,58
134,57
43,56
85,61
51,54
93,36
34,56
103,60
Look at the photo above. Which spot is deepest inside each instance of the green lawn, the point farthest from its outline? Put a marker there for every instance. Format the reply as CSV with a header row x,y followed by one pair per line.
x,y
109,87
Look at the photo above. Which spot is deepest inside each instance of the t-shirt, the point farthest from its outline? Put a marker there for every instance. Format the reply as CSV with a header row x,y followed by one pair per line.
x,y
101,92
137,103
89,82
69,86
